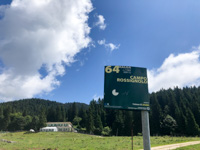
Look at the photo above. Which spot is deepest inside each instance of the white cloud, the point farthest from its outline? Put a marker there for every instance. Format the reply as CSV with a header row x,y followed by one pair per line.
x,y
181,70
96,97
2,10
36,34
110,46
102,42
101,22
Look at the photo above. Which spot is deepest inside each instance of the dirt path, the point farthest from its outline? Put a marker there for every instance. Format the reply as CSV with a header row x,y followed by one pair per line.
x,y
174,146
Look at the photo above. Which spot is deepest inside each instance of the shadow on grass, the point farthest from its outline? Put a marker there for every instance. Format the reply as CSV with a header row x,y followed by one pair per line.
x,y
28,132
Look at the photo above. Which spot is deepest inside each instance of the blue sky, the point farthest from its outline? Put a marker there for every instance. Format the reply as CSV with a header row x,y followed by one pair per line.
x,y
60,56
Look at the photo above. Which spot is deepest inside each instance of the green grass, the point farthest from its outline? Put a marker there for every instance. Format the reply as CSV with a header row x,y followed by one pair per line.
x,y
75,141
192,147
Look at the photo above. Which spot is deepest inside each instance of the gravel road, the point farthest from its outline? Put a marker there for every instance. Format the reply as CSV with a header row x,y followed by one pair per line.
x,y
174,146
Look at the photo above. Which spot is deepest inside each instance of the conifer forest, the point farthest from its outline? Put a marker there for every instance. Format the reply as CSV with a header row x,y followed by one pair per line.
x,y
173,112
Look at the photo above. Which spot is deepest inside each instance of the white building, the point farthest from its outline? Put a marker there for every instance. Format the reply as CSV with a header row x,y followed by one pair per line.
x,y
62,126
58,126
49,129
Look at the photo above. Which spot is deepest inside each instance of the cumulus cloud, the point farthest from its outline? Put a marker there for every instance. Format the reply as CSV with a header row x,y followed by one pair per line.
x,y
109,46
2,10
181,70
37,34
96,97
101,22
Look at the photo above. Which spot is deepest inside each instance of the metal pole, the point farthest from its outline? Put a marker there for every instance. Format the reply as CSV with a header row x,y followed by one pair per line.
x,y
132,135
146,130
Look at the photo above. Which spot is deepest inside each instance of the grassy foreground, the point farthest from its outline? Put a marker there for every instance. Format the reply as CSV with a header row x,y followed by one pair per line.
x,y
192,147
76,141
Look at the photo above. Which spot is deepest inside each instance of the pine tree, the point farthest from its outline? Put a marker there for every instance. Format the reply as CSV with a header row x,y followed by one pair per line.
x,y
51,115
137,122
173,106
74,110
6,119
182,124
59,114
90,122
195,107
110,117
69,113
103,118
63,114
155,115
1,112
192,126
118,124
42,119
128,123
98,124
1,118
83,115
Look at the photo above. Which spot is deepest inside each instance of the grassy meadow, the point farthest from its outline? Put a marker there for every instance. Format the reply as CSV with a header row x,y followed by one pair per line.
x,y
192,147
76,141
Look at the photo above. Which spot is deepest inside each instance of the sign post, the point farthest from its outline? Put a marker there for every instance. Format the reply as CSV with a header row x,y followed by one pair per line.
x,y
126,88
146,130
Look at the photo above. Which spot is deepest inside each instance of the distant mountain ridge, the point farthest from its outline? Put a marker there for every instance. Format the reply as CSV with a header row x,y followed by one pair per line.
x,y
33,106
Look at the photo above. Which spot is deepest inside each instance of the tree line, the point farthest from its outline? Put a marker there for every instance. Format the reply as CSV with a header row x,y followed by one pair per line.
x,y
173,112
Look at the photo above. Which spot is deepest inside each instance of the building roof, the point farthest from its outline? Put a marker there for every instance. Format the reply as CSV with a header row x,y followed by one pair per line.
x,y
49,128
59,122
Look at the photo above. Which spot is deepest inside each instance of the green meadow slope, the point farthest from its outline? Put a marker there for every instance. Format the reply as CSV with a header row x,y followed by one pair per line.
x,y
76,141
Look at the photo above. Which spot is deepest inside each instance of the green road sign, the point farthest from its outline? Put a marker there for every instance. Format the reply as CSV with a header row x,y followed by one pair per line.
x,y
126,88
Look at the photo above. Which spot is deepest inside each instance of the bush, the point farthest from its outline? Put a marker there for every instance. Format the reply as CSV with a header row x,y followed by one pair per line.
x,y
106,131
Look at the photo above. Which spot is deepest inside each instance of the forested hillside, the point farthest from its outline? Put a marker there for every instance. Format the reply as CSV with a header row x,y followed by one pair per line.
x,y
34,105
173,112
34,113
